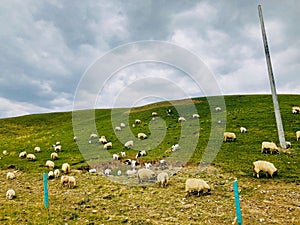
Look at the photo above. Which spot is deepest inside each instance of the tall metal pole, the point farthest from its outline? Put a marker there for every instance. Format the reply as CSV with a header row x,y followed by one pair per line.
x,y
272,82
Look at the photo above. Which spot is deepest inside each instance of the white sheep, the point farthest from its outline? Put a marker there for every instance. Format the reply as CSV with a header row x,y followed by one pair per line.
x,y
10,194
107,171
145,175
57,148
218,109
5,152
181,119
133,125
154,114
243,129
196,185
269,147
69,180
50,164
122,125
298,135
123,154
175,147
137,121
141,153
23,154
119,172
37,149
264,166
148,165
195,116
10,175
288,144
31,157
229,136
54,155
133,163
128,144
66,168
118,128
50,175
162,163
131,172
162,179
141,136
102,140
56,173
75,138
295,109
57,143
115,156
107,146
93,136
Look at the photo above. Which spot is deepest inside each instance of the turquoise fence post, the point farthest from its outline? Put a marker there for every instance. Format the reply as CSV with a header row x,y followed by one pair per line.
x,y
237,202
46,202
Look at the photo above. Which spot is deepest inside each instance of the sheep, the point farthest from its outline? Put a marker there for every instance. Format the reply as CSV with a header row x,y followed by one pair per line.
x,y
133,163
154,114
288,144
115,156
118,128
228,136
243,129
162,179
181,119
66,168
56,173
23,154
218,109
169,112
69,180
119,172
57,143
137,121
131,172
198,185
297,135
145,175
64,179
107,146
127,161
264,166
50,175
141,136
162,163
141,153
57,148
54,156
102,140
295,109
107,171
133,125
122,125
148,165
175,147
195,116
10,194
75,138
37,149
128,144
269,147
10,175
50,164
31,157
5,152
93,136
123,154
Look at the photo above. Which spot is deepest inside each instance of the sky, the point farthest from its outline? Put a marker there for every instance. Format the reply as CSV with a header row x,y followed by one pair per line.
x,y
50,48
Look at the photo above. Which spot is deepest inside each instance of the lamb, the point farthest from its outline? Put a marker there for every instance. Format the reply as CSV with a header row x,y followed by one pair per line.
x,y
145,175
102,140
198,185
154,114
269,147
228,136
195,116
298,135
243,130
118,128
51,175
162,179
137,121
116,156
23,154
50,164
128,144
31,157
142,136
107,146
10,194
54,155
10,175
37,149
56,173
264,166
181,119
66,168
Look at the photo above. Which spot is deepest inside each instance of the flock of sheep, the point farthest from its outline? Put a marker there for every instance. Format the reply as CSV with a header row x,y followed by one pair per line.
x,y
141,169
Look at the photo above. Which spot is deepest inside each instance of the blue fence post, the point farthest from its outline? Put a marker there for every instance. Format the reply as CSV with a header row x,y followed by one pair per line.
x,y
46,202
237,202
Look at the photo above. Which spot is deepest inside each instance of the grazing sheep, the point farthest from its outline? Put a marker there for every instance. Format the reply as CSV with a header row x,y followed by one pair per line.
x,y
243,130
23,154
128,144
50,175
66,168
5,152
295,109
145,175
102,140
198,185
195,116
162,179
75,139
69,180
141,153
57,143
108,145
181,119
122,125
162,163
218,109
228,136
123,154
50,164
264,166
54,155
288,144
10,175
175,147
93,136
57,148
298,135
137,121
118,128
269,147
10,194
148,165
127,161
115,156
133,125
31,157
56,173
37,149
142,136
154,114
107,172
